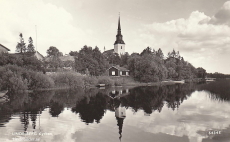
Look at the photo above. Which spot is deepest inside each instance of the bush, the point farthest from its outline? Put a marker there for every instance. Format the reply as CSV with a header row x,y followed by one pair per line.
x,y
16,83
105,80
39,80
16,78
67,79
90,81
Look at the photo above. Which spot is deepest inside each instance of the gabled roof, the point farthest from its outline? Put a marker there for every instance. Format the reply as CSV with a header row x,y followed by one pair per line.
x,y
39,54
5,47
28,54
119,68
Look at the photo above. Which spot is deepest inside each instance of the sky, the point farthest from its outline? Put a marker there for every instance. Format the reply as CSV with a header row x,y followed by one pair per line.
x,y
198,29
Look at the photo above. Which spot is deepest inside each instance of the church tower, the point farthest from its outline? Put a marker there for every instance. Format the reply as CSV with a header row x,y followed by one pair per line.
x,y
119,45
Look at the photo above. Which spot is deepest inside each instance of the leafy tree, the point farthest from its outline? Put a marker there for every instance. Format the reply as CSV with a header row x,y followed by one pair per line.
x,y
53,51
113,58
21,46
124,59
73,53
146,68
30,47
201,73
91,59
54,55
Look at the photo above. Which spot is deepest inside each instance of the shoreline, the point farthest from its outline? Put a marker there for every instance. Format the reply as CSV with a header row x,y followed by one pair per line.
x,y
124,85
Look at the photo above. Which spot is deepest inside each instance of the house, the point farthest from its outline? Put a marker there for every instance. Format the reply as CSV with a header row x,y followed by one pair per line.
x,y
117,71
36,54
67,60
3,49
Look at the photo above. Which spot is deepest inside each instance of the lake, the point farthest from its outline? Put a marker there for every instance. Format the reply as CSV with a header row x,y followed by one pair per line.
x,y
174,113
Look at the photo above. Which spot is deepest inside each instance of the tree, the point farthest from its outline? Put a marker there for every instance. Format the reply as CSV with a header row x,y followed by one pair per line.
x,y
124,59
160,54
21,46
201,73
148,50
54,55
146,68
73,53
92,60
113,58
30,47
53,51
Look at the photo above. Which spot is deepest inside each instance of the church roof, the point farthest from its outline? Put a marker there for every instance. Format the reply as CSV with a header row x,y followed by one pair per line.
x,y
119,36
108,51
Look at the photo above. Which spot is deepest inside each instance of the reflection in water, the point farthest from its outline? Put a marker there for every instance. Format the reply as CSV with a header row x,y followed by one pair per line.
x,y
92,105
91,108
120,114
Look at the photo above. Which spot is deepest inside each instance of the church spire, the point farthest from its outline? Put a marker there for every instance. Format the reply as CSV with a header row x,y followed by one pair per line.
x,y
119,36
119,25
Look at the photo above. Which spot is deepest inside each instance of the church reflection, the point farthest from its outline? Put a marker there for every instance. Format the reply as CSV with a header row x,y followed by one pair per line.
x,y
120,114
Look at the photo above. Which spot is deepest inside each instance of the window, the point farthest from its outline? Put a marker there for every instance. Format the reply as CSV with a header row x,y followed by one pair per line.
x,y
120,72
113,72
121,47
127,73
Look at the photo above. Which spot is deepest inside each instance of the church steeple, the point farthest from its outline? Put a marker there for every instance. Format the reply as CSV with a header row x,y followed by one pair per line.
x,y
119,25
119,36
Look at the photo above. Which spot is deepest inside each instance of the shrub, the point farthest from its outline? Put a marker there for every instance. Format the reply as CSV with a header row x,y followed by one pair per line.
x,y
39,80
118,82
67,79
90,81
105,80
16,83
16,78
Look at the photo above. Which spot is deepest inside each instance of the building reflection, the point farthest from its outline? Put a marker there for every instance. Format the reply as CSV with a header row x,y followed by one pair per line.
x,y
120,114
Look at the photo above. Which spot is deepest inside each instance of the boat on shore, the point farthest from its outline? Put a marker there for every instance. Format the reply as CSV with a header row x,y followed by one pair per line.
x,y
210,79
179,81
175,81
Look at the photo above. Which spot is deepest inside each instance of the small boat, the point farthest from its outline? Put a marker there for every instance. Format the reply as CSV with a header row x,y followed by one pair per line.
x,y
101,85
3,93
210,79
179,81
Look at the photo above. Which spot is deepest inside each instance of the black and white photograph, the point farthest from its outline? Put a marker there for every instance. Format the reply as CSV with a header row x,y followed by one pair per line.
x,y
114,70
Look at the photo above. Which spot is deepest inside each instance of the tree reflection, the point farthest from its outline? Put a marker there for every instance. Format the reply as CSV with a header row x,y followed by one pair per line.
x,y
218,90
55,108
91,104
91,108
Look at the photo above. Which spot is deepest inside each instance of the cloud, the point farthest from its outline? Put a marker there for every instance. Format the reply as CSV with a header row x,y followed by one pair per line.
x,y
54,25
200,43
222,16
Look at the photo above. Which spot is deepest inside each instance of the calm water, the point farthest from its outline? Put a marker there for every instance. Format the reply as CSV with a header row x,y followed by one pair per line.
x,y
176,113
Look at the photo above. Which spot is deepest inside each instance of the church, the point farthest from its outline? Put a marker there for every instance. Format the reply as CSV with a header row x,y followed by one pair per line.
x,y
119,44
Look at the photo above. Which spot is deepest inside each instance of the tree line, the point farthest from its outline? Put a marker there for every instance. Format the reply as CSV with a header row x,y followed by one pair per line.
x,y
147,66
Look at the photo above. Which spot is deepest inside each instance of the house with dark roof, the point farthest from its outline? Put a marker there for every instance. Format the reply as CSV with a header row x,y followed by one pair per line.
x,y
3,49
117,71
